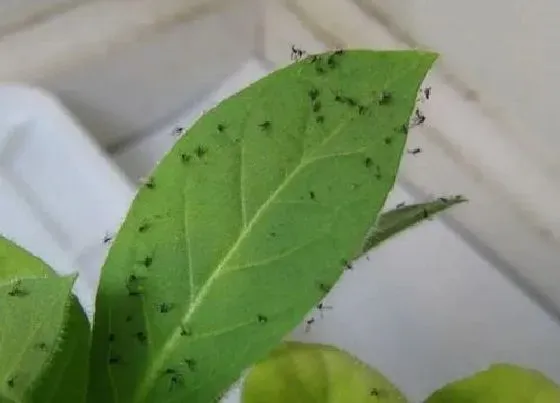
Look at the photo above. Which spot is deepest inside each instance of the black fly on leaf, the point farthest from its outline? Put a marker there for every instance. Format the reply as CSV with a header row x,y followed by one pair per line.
x,y
165,307
385,98
17,290
297,53
191,364
107,238
200,151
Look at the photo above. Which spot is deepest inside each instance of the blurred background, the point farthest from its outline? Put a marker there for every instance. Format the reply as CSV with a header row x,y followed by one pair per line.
x,y
94,89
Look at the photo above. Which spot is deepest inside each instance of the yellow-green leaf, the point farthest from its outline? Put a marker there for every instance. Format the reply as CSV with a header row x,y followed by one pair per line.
x,y
501,383
310,373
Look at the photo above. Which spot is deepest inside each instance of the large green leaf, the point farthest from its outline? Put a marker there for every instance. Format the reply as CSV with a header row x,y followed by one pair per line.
x,y
47,324
501,383
399,219
246,223
310,373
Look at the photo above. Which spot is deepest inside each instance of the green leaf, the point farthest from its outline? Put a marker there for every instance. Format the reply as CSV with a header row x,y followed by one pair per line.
x,y
309,373
247,222
401,218
33,313
53,366
16,262
501,383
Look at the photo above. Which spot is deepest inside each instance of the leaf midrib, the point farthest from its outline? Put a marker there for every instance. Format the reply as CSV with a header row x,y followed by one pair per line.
x,y
157,363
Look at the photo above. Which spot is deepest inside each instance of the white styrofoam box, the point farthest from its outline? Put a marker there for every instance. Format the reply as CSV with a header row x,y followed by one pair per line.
x,y
425,308
138,160
20,14
145,60
59,193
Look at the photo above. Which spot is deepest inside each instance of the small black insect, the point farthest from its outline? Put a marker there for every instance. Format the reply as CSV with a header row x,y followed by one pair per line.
x,y
273,234
11,382
415,151
368,162
143,227
265,125
321,307
186,331
308,324
297,53
147,261
385,98
128,318
324,287
425,213
185,158
388,140
347,264
374,392
41,346
17,290
401,205
316,106
362,110
200,151
262,319
420,118
176,378
107,238
111,337
402,129
165,307
427,92
338,98
114,359
319,118
150,184
190,363
178,131
313,94
221,127
312,195
443,199
141,337
319,69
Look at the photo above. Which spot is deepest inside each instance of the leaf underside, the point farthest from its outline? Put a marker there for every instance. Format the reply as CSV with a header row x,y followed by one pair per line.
x,y
308,373
399,219
246,224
